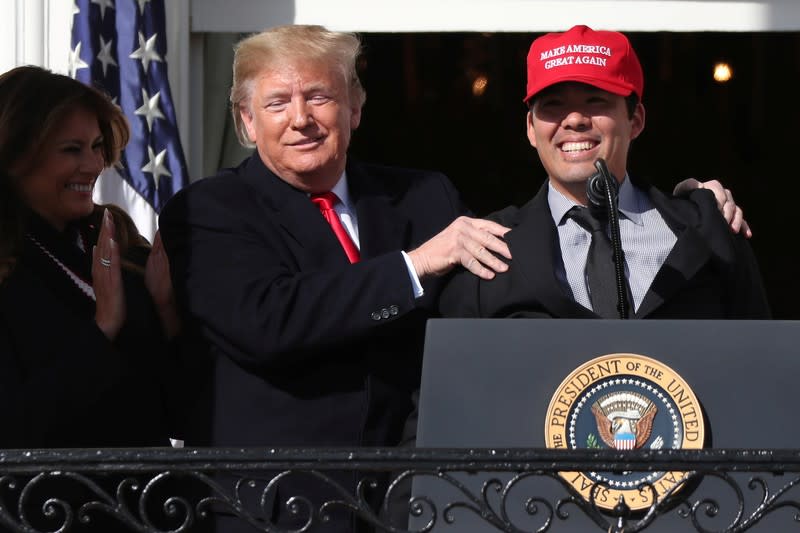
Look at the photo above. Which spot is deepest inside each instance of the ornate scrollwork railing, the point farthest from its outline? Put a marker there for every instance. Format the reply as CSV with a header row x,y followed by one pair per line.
x,y
455,490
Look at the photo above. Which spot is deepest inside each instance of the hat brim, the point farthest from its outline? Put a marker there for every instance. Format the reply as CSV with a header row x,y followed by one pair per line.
x,y
622,89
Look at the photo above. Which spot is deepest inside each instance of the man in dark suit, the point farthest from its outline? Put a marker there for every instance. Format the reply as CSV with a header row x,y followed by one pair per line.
x,y
680,260
313,318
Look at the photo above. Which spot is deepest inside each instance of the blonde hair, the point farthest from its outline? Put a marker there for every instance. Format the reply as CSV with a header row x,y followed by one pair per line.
x,y
314,43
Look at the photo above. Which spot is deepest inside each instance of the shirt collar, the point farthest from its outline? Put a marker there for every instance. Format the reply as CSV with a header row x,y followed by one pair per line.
x,y
627,198
628,201
559,204
343,191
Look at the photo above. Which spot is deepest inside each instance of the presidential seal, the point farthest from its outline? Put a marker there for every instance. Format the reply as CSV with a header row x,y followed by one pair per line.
x,y
624,402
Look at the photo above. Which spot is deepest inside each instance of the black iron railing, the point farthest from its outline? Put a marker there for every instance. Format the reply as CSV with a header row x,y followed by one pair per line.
x,y
177,490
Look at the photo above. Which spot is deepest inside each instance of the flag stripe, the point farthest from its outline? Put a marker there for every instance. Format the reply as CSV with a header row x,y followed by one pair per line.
x,y
123,51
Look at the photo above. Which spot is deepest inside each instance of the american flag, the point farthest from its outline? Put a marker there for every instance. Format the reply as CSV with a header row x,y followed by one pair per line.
x,y
121,47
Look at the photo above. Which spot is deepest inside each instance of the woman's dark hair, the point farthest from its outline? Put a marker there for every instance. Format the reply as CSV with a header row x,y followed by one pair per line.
x,y
33,103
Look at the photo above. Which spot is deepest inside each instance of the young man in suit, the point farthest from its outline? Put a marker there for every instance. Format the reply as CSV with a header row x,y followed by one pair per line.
x,y
680,260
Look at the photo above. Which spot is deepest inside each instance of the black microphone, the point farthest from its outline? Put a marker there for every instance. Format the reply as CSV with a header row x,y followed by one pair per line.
x,y
598,184
601,191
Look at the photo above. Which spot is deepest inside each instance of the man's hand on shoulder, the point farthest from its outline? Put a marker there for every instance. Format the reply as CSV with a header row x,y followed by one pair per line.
x,y
733,213
469,242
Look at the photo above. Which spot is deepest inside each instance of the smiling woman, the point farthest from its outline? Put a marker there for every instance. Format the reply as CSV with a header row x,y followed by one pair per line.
x,y
59,184
84,358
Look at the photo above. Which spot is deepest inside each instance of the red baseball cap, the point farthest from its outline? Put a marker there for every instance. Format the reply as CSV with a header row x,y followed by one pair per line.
x,y
604,59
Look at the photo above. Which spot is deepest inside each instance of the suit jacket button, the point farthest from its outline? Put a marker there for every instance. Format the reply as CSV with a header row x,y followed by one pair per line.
x,y
385,313
393,310
376,315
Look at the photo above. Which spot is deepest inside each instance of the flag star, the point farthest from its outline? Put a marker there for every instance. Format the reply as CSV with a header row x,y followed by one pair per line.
x,y
75,61
104,55
156,166
103,5
75,8
150,110
142,3
146,51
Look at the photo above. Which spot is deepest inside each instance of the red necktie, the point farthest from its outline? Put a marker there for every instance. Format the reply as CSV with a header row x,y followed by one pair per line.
x,y
325,201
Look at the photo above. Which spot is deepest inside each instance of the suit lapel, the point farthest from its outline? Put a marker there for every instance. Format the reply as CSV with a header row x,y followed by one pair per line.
x,y
687,257
299,218
382,227
534,244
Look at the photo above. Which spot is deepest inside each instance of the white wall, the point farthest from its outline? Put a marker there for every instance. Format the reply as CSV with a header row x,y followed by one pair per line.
x,y
34,32
498,15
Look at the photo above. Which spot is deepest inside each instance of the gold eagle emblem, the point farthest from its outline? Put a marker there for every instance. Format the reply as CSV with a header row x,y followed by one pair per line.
x,y
624,419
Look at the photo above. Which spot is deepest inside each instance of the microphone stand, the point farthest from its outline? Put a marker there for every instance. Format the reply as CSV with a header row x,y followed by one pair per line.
x,y
601,189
